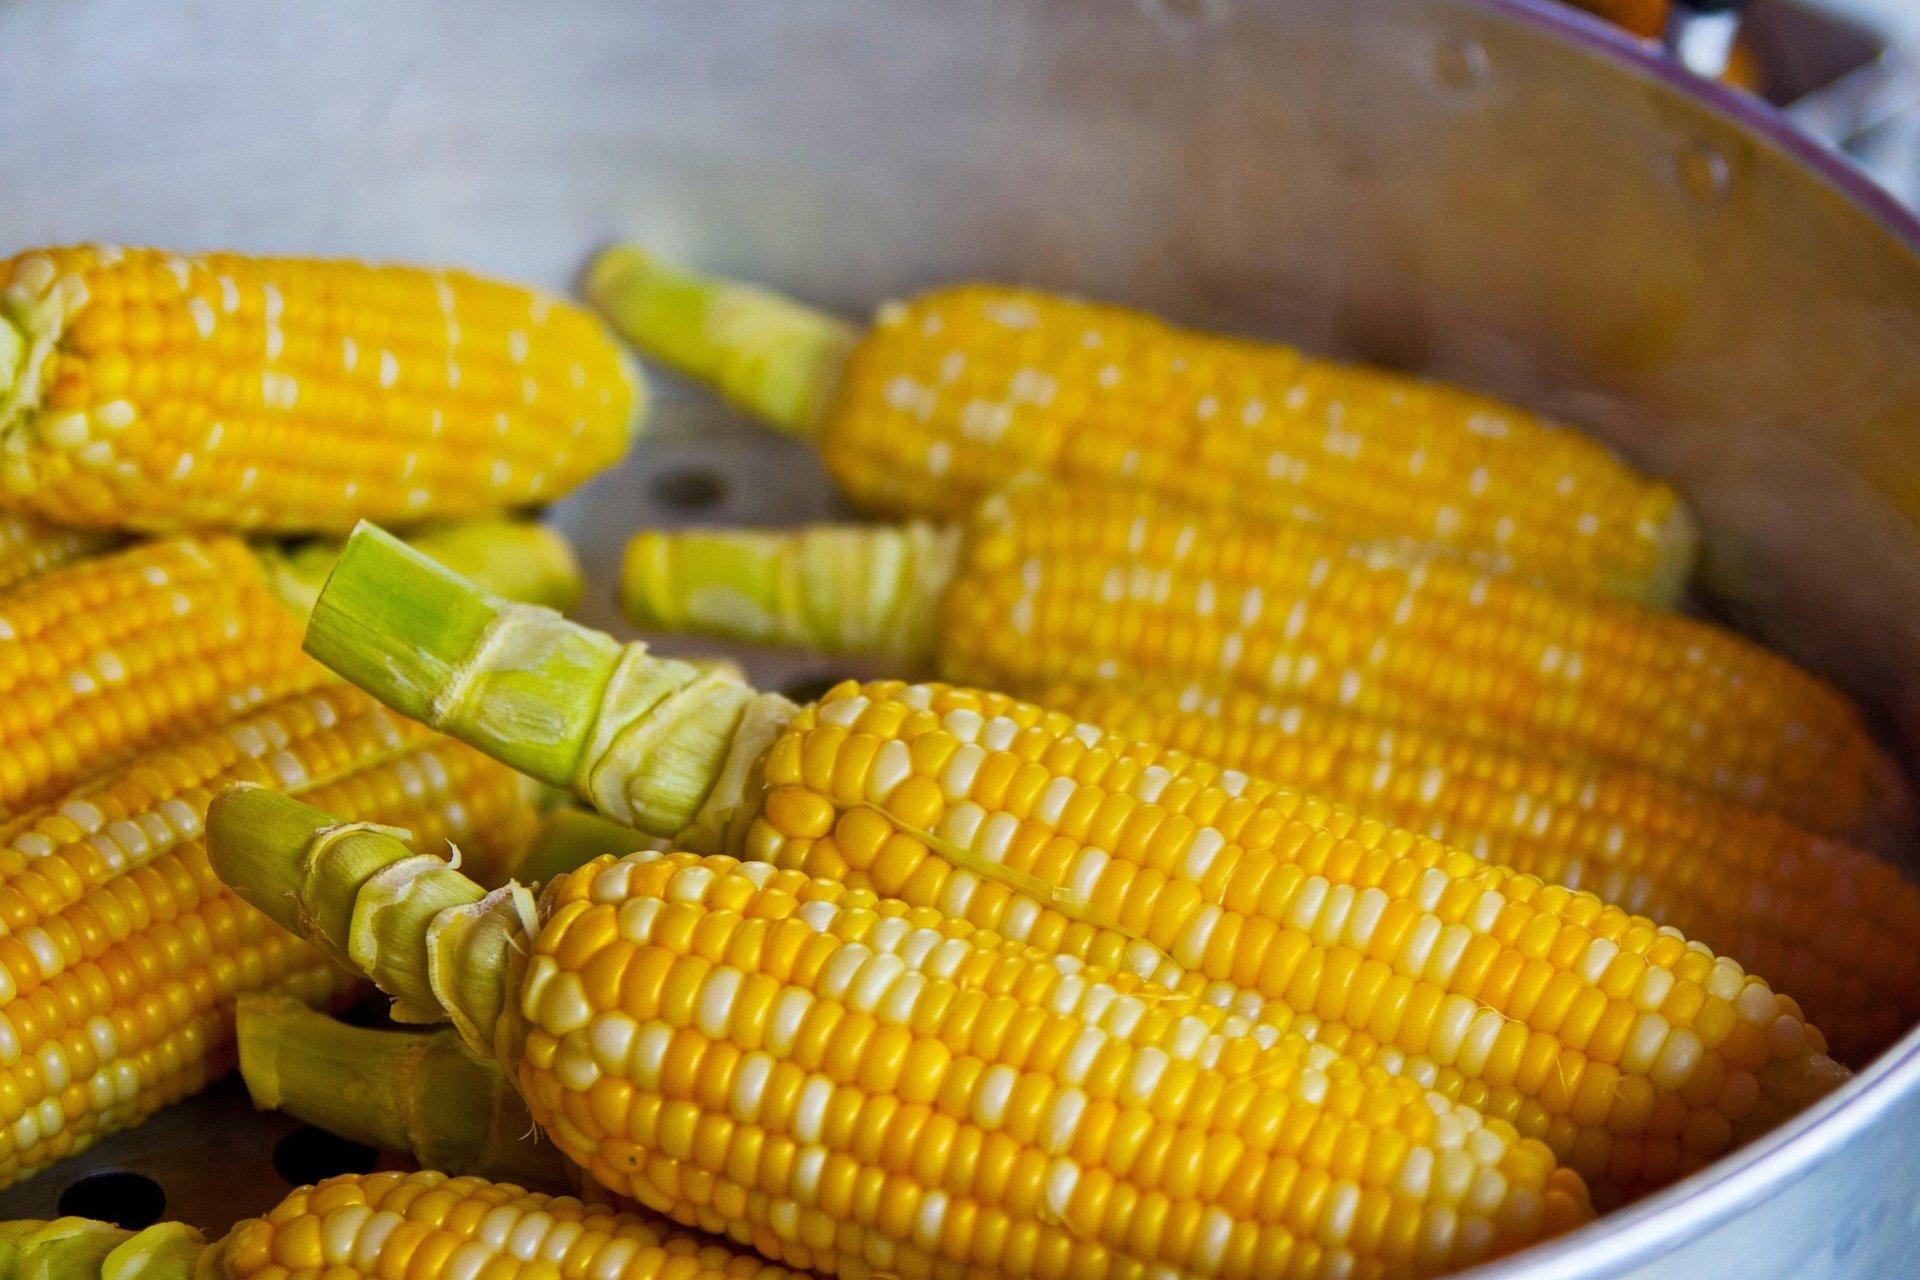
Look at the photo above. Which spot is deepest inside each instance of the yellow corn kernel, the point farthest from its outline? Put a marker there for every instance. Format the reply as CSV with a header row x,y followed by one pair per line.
x,y
163,392
1833,926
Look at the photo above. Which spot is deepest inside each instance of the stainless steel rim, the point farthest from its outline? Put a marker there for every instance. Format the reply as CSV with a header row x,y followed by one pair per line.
x,y
1761,1170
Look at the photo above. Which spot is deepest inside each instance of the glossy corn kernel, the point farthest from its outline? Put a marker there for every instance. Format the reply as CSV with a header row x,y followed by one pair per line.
x,y
1642,1055
121,953
29,547
766,1052
162,392
106,657
1831,925
1111,589
384,1226
953,393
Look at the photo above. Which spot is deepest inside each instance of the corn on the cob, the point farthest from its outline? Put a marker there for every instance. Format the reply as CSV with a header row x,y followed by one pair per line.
x,y
1635,1054
1118,588
144,390
951,395
107,657
120,951
29,546
377,1226
1831,925
746,1049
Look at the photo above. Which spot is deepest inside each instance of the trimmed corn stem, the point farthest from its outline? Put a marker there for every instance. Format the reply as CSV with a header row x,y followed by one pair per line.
x,y
773,357
828,588
415,1092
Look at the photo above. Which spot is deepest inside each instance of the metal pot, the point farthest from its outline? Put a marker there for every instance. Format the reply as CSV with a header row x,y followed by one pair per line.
x,y
1498,192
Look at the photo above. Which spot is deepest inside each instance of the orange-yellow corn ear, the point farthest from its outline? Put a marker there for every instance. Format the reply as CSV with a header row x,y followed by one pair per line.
x,y
148,390
121,953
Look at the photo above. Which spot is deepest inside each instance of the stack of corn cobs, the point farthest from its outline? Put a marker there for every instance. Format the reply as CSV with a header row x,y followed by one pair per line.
x,y
1333,858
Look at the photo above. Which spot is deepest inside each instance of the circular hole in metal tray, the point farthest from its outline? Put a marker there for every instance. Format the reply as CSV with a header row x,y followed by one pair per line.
x,y
311,1155
120,1196
689,489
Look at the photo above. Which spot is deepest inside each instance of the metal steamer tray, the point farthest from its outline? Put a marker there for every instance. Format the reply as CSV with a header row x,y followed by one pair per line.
x,y
1495,191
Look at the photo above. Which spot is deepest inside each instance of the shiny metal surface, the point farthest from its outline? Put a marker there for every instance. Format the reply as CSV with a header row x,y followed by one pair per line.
x,y
1491,191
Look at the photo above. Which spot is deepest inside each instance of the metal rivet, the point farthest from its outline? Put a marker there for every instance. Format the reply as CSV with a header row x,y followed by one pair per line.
x,y
1462,64
1705,172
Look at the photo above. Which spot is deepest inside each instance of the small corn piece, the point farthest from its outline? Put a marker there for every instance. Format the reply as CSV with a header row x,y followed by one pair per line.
x,y
144,390
740,1048
1635,1054
120,951
1115,588
29,546
954,393
375,1226
1829,924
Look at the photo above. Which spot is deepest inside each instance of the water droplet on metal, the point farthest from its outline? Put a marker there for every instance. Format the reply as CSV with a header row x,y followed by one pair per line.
x,y
1705,173
1462,64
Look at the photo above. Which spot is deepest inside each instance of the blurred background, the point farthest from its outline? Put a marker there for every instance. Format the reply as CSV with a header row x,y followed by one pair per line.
x,y
1848,71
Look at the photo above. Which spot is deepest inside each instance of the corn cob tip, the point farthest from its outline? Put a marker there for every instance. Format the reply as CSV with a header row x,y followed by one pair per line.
x,y
772,356
82,1249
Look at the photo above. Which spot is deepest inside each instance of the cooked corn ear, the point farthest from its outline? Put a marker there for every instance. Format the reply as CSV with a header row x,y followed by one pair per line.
x,y
162,392
1116,588
376,1226
1635,1054
751,1045
952,394
109,656
121,953
1829,924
